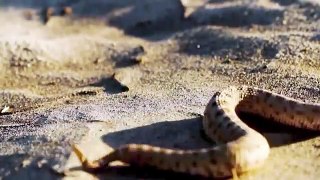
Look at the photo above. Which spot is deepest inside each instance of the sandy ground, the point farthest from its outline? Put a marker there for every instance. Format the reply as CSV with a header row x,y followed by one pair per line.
x,y
141,71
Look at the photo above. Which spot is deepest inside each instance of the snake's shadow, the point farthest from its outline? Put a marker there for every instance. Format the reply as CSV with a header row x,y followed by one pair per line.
x,y
188,134
276,133
182,134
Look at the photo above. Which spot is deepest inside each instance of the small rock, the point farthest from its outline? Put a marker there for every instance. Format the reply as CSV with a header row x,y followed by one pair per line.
x,y
66,11
47,13
25,163
41,163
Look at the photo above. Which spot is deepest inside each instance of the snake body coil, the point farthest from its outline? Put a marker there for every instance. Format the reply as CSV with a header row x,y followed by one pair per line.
x,y
239,148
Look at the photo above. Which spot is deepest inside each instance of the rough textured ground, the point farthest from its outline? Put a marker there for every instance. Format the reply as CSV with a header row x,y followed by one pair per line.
x,y
142,71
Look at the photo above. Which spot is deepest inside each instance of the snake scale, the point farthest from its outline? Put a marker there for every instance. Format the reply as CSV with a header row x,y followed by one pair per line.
x,y
239,148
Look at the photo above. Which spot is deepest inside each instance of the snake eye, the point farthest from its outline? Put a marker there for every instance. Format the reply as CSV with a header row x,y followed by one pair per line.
x,y
216,94
214,103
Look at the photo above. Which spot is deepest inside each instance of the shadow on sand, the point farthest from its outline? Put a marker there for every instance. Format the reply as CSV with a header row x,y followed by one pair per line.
x,y
217,42
187,134
134,22
110,85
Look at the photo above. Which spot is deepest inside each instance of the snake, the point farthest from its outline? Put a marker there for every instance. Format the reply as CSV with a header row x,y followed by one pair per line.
x,y
238,147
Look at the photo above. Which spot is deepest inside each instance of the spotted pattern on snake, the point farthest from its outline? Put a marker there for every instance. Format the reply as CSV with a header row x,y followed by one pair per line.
x,y
239,148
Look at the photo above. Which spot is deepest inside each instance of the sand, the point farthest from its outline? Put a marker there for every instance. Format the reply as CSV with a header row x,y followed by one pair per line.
x,y
116,72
